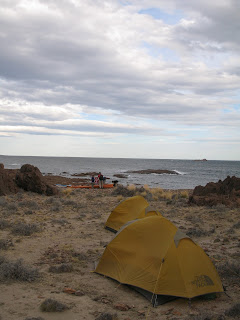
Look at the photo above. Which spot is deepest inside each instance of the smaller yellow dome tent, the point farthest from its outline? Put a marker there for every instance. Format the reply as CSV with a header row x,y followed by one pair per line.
x,y
130,209
157,259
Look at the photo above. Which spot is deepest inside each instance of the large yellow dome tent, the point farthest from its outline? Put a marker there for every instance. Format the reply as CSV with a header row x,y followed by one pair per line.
x,y
155,257
129,209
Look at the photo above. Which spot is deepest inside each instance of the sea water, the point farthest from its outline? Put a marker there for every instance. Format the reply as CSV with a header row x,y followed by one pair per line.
x,y
190,173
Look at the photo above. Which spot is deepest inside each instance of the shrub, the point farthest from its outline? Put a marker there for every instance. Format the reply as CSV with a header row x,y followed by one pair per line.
x,y
28,212
229,270
50,305
107,316
3,202
11,207
56,208
236,225
234,311
29,204
53,200
34,318
24,229
194,232
72,202
5,244
16,271
4,224
123,191
65,267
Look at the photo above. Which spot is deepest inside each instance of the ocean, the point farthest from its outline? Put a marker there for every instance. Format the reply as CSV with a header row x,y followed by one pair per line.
x,y
191,173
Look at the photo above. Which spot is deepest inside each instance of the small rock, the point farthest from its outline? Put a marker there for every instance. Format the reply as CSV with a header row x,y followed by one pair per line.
x,y
69,291
122,307
79,293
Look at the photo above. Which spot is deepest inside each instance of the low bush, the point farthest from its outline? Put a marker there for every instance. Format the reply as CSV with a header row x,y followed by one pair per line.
x,y
197,232
72,203
234,311
53,200
56,208
50,305
5,244
4,224
30,204
24,229
16,271
65,267
123,191
229,270
28,212
34,318
107,316
236,225
12,207
3,202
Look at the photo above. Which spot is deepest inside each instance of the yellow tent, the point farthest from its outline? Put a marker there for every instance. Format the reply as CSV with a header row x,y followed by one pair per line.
x,y
130,209
156,258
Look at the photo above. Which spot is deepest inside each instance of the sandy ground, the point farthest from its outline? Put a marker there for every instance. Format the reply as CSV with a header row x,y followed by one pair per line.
x,y
71,231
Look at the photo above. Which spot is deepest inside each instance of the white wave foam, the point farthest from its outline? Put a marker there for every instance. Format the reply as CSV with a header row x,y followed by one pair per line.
x,y
179,172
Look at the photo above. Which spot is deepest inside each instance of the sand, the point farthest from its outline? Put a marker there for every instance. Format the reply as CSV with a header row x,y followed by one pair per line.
x,y
72,234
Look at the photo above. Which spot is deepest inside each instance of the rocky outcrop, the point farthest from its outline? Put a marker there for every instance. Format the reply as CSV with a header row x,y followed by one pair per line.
x,y
30,178
120,175
225,192
157,171
7,181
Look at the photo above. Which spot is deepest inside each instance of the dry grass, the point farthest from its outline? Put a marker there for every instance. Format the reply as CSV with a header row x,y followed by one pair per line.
x,y
131,187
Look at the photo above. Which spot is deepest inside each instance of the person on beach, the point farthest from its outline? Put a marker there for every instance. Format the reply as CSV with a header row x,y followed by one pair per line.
x,y
92,181
96,180
100,177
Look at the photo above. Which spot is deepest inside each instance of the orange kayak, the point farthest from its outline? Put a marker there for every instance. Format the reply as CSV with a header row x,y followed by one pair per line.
x,y
105,186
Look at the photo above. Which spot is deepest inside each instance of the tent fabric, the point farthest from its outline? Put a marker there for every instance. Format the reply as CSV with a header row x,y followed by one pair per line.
x,y
151,254
130,209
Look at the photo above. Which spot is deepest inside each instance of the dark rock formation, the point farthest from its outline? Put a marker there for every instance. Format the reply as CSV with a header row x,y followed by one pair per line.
x,y
83,174
120,175
225,192
30,178
158,171
7,181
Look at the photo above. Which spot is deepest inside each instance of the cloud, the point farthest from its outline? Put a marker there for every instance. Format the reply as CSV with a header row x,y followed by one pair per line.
x,y
138,68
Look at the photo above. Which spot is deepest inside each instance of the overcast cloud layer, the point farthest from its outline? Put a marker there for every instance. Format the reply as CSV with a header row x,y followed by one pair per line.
x,y
137,78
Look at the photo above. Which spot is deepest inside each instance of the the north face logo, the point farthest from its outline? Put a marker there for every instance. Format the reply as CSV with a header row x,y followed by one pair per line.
x,y
202,281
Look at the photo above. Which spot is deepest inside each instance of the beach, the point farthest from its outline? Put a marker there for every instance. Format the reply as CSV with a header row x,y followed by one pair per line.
x,y
60,238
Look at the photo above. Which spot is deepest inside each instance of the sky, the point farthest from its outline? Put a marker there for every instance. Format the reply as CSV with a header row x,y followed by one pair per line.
x,y
120,78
